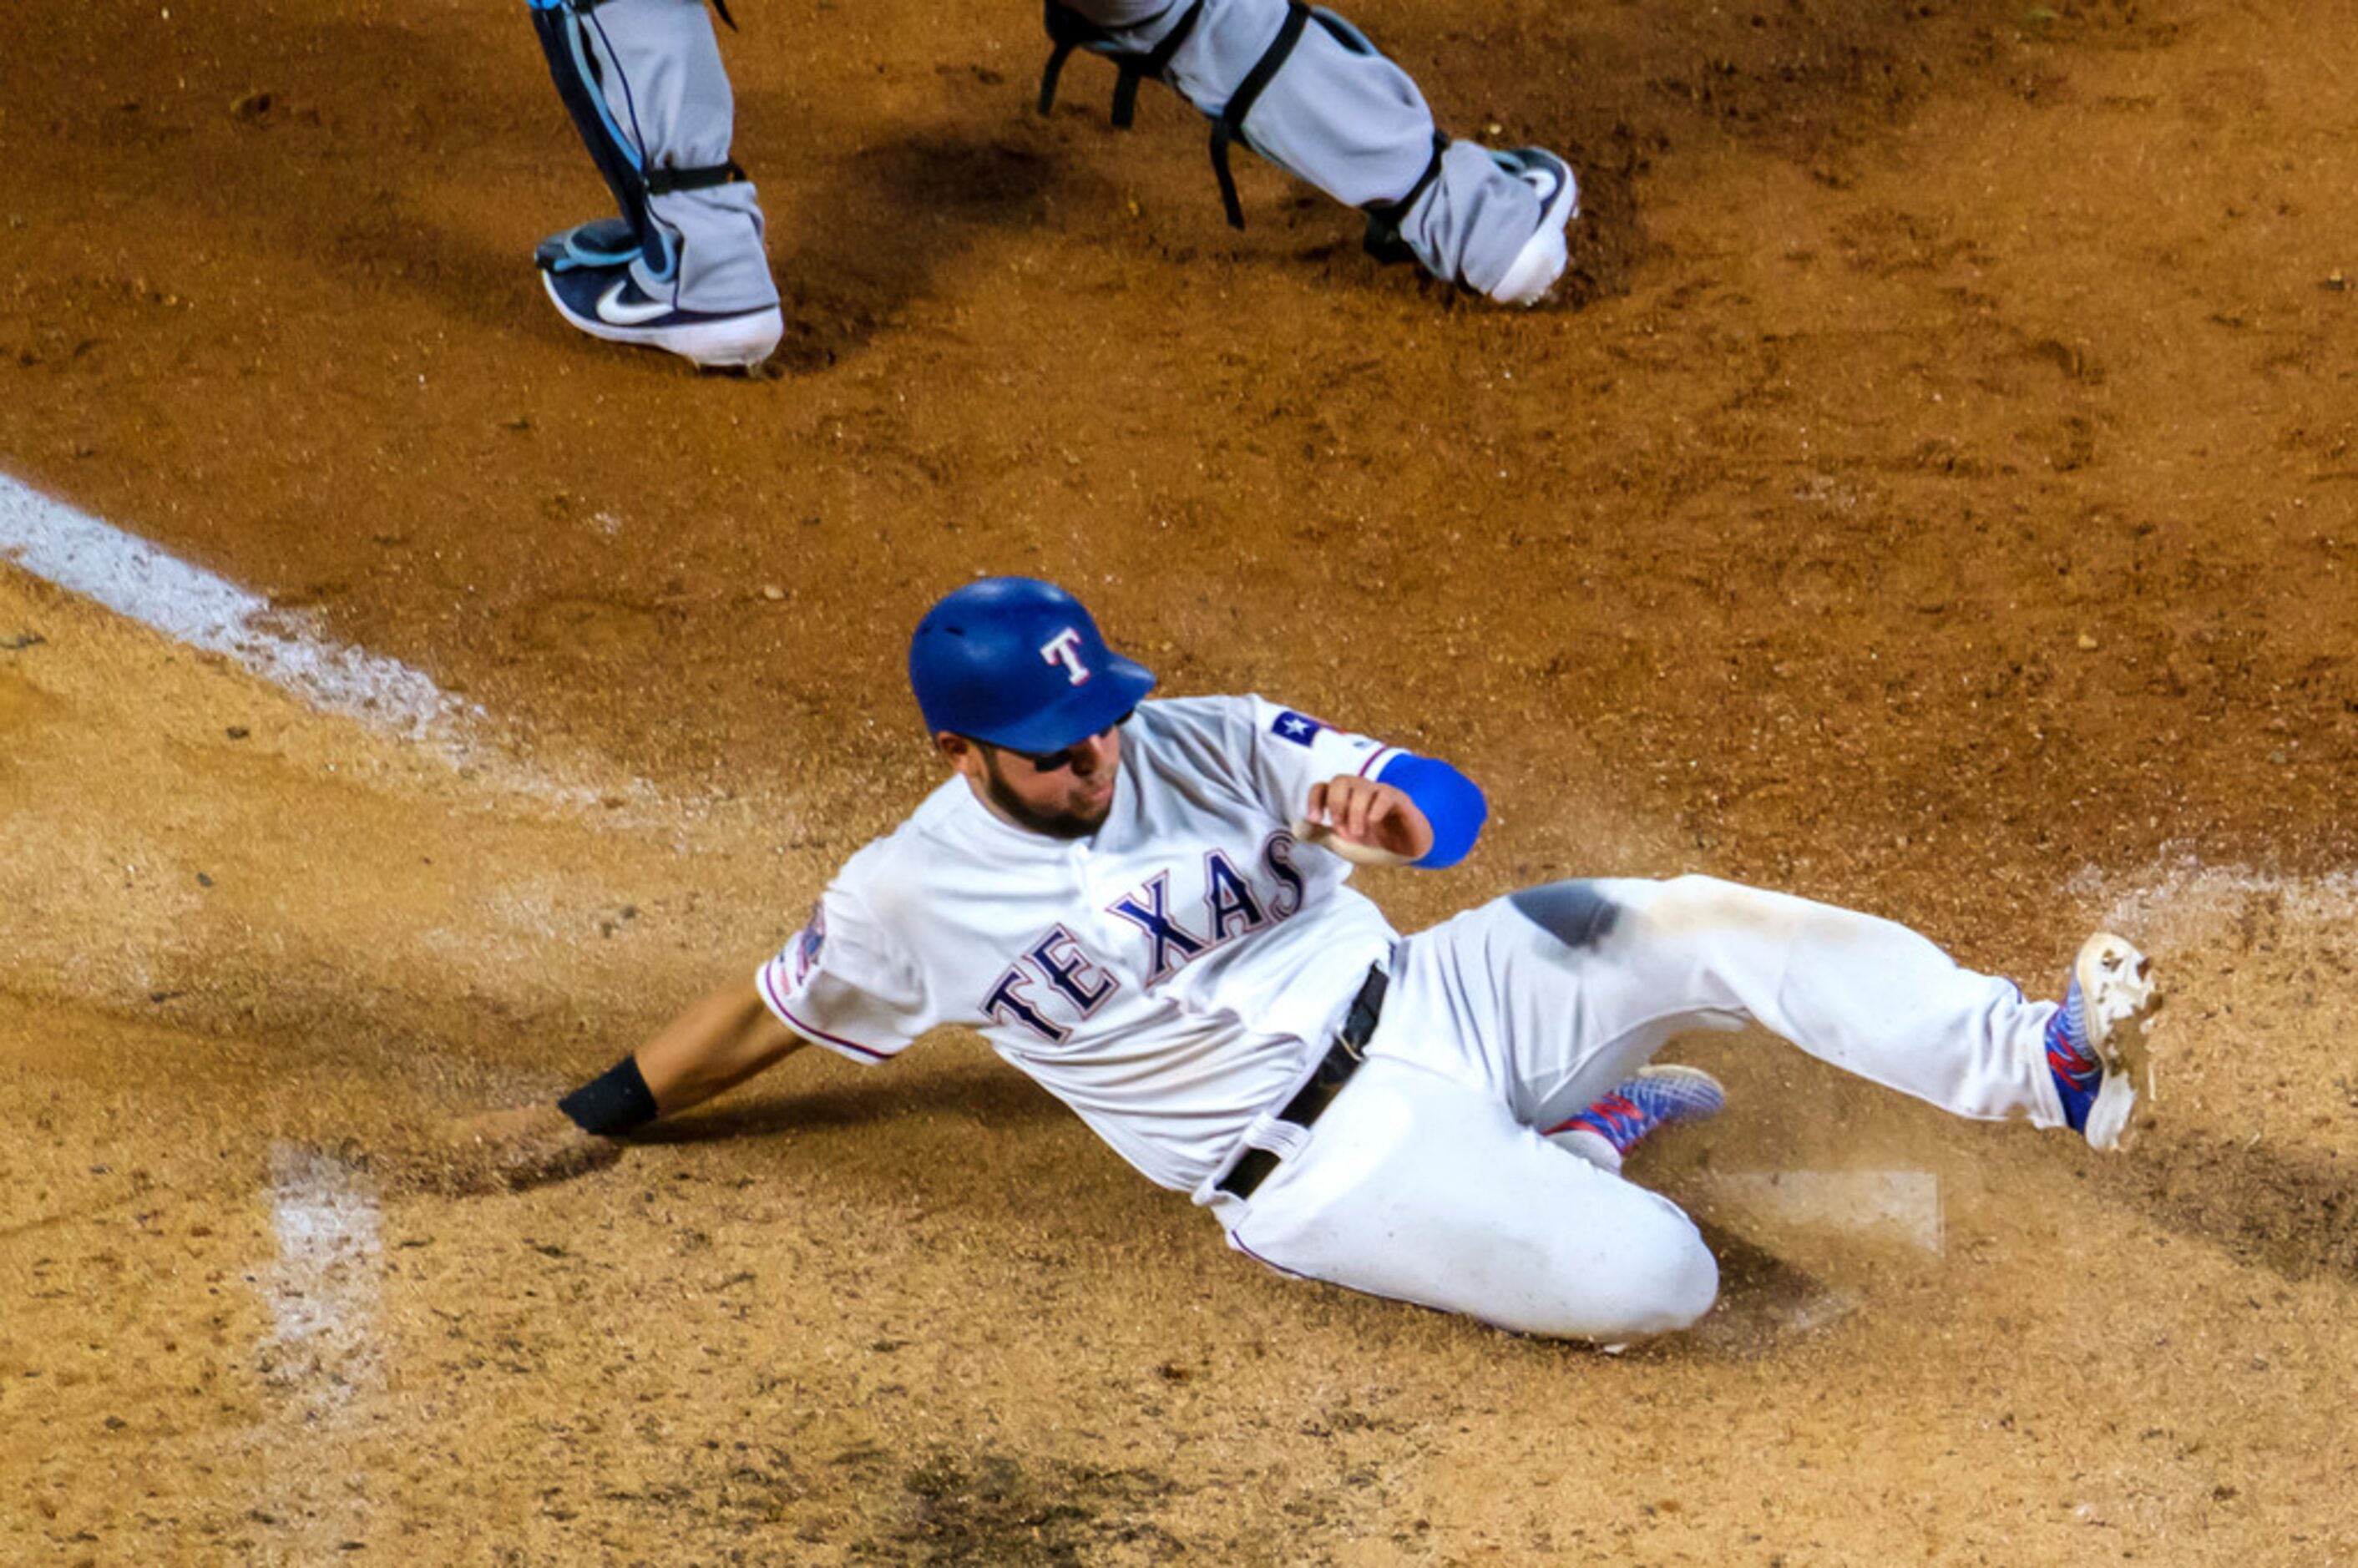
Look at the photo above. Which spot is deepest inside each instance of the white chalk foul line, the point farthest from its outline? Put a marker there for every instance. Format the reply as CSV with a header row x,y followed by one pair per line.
x,y
131,577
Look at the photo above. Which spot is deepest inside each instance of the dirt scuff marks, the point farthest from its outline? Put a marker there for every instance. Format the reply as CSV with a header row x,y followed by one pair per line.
x,y
965,1511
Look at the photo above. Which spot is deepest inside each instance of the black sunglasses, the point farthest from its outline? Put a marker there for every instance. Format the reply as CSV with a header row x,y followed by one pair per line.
x,y
1057,761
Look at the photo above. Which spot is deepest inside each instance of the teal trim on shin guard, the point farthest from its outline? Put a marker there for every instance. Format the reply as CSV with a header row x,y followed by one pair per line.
x,y
579,52
562,30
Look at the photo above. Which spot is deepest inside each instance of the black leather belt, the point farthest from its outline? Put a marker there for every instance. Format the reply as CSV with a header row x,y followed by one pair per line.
x,y
1309,1103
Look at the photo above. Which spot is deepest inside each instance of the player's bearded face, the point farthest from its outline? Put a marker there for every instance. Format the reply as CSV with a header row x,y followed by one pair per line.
x,y
1068,800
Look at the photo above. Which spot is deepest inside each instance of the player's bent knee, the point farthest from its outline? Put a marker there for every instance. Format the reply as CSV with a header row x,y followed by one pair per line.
x,y
1657,1277
1685,1287
1668,1287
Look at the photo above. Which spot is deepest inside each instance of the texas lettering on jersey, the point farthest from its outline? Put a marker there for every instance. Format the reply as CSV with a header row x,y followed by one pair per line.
x,y
1057,975
1167,978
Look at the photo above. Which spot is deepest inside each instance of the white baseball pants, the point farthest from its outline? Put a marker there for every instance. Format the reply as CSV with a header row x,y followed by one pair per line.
x,y
1426,1181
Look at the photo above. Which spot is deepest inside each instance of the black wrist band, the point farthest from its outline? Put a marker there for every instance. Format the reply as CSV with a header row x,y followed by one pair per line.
x,y
615,1101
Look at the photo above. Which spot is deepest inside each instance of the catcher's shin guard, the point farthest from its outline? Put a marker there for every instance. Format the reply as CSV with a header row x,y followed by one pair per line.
x,y
1306,91
643,84
1312,96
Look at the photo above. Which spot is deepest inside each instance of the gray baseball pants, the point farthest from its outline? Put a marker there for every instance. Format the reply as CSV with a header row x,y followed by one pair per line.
x,y
1344,118
1341,117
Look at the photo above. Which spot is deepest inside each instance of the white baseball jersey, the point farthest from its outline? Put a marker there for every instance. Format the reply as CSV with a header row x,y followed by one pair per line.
x,y
1168,977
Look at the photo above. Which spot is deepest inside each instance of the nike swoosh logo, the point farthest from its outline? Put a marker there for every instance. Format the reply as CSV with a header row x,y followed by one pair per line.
x,y
611,309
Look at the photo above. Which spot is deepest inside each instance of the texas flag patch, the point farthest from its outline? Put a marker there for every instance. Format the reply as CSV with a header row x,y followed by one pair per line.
x,y
1298,728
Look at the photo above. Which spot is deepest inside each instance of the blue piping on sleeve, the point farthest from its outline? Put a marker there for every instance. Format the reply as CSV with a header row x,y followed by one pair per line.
x,y
1450,801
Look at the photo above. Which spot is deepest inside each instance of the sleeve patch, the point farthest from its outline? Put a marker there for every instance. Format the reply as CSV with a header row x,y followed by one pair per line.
x,y
1298,728
807,944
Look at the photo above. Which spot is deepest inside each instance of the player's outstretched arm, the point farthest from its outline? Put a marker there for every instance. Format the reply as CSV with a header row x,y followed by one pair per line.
x,y
714,1045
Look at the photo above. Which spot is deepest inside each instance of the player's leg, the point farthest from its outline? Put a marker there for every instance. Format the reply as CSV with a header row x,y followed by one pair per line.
x,y
1422,1187
1572,986
1306,91
683,266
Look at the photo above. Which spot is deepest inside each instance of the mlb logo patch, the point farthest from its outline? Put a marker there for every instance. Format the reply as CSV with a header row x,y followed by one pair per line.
x,y
1298,728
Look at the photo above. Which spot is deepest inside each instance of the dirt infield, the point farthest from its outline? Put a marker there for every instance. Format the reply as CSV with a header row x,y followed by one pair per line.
x,y
1937,494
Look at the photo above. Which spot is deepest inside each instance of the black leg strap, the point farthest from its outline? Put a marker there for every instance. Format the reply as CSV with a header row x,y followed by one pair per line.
x,y
1230,126
664,181
1069,30
1383,241
1153,63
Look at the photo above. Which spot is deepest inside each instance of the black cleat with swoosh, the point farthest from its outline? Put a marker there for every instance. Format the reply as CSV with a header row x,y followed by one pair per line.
x,y
608,302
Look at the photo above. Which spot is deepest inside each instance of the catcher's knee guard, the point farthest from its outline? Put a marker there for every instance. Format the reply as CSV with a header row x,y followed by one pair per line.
x,y
643,86
1332,108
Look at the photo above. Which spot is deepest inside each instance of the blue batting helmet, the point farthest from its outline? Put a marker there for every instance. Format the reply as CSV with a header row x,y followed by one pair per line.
x,y
1019,662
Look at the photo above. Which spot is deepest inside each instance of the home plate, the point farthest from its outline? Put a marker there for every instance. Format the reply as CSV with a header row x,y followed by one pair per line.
x,y
1902,1207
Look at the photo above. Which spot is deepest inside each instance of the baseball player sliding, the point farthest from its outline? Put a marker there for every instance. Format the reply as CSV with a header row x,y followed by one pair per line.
x,y
1145,905
683,268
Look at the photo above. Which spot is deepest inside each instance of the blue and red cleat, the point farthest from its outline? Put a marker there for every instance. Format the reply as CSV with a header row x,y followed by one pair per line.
x,y
1605,1133
2095,1040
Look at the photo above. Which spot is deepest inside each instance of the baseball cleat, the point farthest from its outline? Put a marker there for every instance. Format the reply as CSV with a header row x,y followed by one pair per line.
x,y
1542,260
1605,1133
602,242
2095,1041
608,302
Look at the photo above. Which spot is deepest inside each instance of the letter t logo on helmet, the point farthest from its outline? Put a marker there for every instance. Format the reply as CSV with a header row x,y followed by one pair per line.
x,y
1065,648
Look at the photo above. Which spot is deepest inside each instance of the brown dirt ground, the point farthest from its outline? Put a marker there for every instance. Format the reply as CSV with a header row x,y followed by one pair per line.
x,y
1934,496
